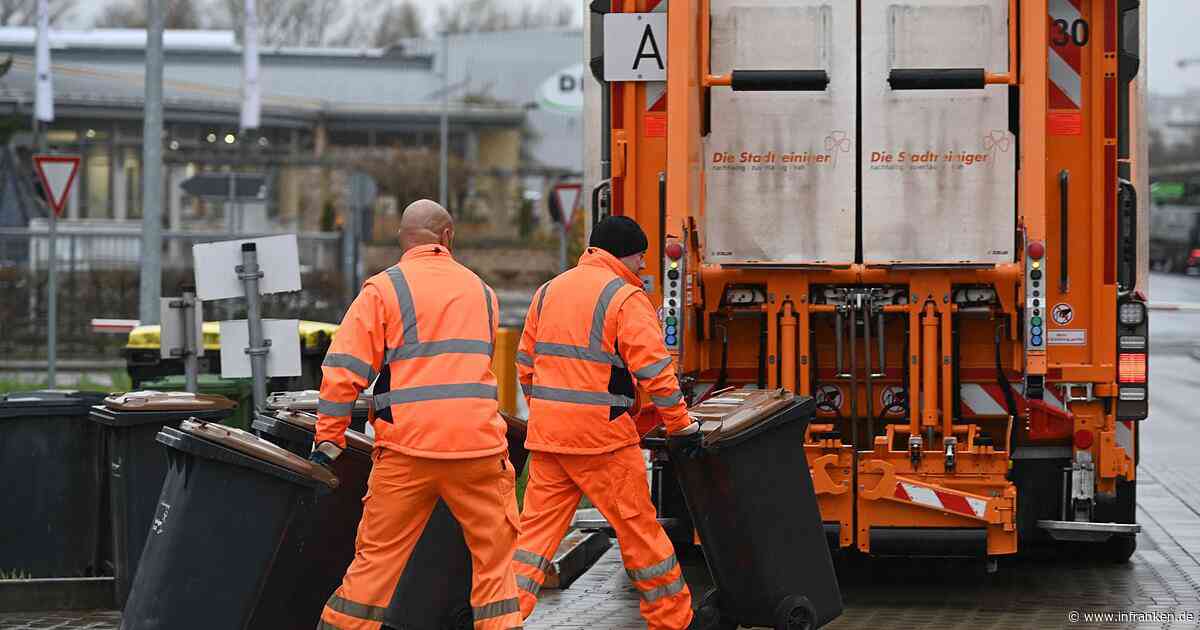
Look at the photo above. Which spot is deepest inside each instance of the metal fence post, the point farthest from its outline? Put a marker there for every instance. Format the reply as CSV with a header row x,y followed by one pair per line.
x,y
249,273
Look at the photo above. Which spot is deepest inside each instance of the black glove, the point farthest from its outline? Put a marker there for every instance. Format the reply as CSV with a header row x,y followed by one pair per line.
x,y
321,459
689,445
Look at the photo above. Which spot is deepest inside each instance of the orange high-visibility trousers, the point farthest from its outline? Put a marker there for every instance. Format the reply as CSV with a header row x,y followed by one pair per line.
x,y
616,484
401,494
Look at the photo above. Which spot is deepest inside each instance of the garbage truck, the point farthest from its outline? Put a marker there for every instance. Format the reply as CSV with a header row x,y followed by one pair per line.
x,y
922,213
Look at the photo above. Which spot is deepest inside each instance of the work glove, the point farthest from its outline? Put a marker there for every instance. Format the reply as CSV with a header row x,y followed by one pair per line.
x,y
324,453
687,442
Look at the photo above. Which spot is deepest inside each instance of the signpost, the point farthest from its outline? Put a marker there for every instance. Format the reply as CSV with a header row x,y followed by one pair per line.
x,y
362,192
181,333
251,267
57,174
564,199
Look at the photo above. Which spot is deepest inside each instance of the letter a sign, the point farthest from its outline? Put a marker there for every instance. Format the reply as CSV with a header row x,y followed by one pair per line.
x,y
57,173
635,46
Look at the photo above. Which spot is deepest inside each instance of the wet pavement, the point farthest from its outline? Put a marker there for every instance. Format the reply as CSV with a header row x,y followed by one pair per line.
x,y
1158,588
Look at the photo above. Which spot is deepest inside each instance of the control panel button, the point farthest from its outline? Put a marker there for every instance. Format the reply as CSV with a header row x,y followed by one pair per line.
x,y
674,250
671,340
1036,331
673,274
671,321
1035,274
1037,341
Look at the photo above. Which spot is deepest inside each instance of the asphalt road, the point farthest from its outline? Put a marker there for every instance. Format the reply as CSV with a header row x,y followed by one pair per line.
x,y
1161,583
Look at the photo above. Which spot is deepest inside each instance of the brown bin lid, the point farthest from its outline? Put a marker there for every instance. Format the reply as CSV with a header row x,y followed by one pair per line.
x,y
306,400
258,448
308,421
732,413
150,400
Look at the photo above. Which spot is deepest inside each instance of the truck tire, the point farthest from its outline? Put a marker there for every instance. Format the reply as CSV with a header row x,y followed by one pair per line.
x,y
1118,549
795,612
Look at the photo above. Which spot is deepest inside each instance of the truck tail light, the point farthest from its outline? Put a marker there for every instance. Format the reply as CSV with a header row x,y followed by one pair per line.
x,y
1131,367
1194,257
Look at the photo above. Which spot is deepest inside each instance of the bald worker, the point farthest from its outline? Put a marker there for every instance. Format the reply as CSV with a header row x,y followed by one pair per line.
x,y
426,328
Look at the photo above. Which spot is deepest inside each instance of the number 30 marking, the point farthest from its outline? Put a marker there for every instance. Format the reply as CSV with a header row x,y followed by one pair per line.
x,y
1078,32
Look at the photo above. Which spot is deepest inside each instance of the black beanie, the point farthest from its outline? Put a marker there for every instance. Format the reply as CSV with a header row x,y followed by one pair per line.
x,y
619,236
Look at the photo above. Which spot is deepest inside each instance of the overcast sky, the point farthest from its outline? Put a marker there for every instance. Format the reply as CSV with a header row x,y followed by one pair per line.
x,y
1173,35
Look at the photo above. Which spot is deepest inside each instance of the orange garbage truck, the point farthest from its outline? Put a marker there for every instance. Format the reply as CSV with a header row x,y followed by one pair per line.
x,y
923,213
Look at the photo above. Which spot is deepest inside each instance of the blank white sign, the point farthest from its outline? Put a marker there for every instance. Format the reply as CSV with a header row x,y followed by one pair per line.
x,y
171,331
216,263
282,360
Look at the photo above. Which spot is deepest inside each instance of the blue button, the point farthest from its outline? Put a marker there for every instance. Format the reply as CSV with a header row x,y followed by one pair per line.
x,y
1037,341
670,330
671,340
1036,330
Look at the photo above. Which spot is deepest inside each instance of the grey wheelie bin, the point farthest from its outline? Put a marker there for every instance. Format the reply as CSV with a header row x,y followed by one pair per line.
x,y
751,497
306,400
434,593
320,543
226,506
52,501
136,464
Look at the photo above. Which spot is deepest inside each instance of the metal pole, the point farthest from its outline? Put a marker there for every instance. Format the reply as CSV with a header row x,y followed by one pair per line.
x,y
192,346
52,306
562,246
152,166
444,145
349,254
249,273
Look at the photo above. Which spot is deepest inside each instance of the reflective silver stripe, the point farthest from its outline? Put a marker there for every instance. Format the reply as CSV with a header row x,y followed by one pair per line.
x,y
660,569
524,359
435,392
330,408
355,609
528,585
596,339
527,388
496,609
652,370
434,348
663,591
542,298
408,312
594,355
669,401
531,559
350,362
580,397
487,298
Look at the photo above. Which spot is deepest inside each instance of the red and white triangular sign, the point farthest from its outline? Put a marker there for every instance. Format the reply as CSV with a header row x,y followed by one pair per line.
x,y
57,173
568,200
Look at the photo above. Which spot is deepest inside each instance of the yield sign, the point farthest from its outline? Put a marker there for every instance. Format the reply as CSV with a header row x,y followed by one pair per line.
x,y
567,197
57,173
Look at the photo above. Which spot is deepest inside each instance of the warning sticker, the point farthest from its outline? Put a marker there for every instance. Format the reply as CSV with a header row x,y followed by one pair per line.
x,y
656,125
1065,123
1066,337
1062,313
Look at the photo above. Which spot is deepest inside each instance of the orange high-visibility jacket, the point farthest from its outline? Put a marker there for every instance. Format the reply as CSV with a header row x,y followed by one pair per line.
x,y
427,328
591,334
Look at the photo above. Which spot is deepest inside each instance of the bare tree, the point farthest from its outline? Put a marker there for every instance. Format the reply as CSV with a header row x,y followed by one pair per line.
x,y
177,14
24,12
396,21
470,16
287,22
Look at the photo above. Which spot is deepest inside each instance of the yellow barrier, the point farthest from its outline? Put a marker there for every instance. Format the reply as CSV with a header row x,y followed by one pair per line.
x,y
504,364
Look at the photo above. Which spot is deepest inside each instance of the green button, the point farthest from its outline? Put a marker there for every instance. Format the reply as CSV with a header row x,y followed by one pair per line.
x,y
1036,321
671,321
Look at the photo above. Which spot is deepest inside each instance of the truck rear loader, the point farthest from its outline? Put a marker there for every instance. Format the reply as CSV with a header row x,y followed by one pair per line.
x,y
924,214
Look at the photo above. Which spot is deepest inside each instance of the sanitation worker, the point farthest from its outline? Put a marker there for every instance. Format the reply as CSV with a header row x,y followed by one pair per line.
x,y
592,342
426,327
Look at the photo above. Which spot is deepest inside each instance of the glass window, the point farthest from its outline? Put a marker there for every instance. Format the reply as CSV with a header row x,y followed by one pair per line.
x,y
132,171
97,170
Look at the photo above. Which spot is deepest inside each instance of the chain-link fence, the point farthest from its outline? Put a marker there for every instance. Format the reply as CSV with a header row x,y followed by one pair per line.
x,y
98,277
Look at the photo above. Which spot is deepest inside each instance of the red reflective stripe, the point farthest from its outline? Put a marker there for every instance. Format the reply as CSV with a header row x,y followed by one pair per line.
x,y
1110,214
955,503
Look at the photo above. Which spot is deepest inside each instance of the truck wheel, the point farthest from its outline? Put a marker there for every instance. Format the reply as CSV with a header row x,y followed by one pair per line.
x,y
795,612
1119,549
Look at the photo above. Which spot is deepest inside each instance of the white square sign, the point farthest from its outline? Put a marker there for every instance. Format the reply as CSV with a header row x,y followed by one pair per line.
x,y
216,264
635,47
282,360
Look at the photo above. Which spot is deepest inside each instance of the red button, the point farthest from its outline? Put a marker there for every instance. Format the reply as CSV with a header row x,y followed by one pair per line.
x,y
674,251
1037,249
1083,439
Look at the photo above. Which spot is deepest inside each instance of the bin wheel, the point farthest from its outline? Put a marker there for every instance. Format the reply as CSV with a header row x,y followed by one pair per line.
x,y
795,612
462,619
